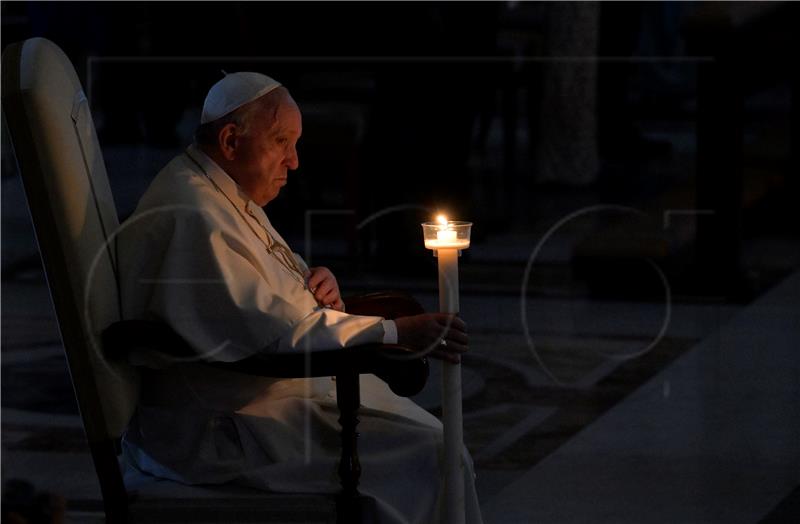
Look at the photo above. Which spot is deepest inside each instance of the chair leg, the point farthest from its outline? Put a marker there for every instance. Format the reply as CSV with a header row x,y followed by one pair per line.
x,y
115,498
351,506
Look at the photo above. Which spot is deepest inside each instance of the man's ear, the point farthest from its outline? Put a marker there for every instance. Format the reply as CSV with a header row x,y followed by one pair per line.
x,y
227,140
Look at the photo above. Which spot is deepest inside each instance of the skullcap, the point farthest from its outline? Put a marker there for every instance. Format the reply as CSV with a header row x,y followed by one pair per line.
x,y
233,91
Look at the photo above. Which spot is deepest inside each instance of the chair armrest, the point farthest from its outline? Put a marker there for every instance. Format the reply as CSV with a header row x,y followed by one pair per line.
x,y
401,368
386,304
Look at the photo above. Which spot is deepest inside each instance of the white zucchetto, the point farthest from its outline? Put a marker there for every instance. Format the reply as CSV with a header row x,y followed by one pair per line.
x,y
233,91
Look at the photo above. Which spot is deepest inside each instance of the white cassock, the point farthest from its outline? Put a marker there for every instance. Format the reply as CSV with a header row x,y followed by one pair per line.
x,y
194,254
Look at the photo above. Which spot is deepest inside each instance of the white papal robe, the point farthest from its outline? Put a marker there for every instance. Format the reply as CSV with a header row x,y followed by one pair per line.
x,y
194,254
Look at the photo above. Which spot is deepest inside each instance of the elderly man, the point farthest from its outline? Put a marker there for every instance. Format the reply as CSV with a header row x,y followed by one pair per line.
x,y
200,254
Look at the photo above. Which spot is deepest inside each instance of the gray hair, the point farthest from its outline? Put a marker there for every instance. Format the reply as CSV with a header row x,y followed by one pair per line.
x,y
243,117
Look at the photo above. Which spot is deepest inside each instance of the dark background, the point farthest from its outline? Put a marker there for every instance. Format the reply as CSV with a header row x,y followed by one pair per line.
x,y
446,105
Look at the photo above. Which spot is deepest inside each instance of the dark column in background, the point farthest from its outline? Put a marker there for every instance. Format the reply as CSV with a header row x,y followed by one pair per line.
x,y
719,158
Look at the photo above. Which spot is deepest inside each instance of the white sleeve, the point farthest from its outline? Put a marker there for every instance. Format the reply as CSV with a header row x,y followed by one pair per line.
x,y
389,332
203,281
330,329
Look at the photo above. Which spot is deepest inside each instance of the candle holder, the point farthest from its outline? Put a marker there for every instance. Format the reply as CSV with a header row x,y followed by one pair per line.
x,y
446,235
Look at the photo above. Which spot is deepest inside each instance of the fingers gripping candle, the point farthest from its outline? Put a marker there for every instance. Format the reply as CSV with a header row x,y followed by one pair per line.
x,y
447,239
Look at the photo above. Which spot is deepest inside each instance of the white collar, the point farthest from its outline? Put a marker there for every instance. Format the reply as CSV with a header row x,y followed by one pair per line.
x,y
227,185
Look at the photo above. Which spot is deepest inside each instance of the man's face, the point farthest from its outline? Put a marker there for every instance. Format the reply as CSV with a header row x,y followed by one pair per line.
x,y
265,155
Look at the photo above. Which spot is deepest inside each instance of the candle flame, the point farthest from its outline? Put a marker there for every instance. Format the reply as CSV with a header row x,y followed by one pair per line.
x,y
442,220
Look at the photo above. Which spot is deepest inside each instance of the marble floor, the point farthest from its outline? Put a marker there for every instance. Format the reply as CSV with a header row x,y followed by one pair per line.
x,y
701,428
713,437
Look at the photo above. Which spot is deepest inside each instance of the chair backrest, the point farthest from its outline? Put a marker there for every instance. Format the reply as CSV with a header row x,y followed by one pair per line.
x,y
75,220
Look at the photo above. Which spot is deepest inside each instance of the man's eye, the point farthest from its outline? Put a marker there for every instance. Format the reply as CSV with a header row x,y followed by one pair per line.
x,y
282,140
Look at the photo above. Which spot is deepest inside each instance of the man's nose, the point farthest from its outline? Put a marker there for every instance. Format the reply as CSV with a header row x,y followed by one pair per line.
x,y
292,160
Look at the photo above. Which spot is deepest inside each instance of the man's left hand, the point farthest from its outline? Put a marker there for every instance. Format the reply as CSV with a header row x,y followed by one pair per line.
x,y
325,288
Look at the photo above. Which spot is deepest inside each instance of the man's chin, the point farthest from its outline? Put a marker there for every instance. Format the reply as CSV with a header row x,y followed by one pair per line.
x,y
269,198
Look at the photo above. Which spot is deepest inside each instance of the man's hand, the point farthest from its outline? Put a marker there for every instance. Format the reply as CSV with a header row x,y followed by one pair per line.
x,y
441,335
325,288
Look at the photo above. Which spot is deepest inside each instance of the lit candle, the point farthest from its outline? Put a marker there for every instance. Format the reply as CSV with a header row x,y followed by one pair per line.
x,y
446,236
450,238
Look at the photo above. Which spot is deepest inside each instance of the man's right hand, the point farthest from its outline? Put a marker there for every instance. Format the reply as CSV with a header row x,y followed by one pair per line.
x,y
427,332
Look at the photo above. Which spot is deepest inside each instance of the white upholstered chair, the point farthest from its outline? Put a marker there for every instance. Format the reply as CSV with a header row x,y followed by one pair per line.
x,y
75,219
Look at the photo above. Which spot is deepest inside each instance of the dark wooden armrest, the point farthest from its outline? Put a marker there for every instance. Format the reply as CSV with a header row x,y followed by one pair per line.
x,y
404,372
122,338
398,366
387,304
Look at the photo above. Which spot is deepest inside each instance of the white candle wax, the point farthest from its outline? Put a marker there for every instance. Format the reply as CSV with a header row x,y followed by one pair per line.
x,y
443,238
446,235
446,243
451,396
